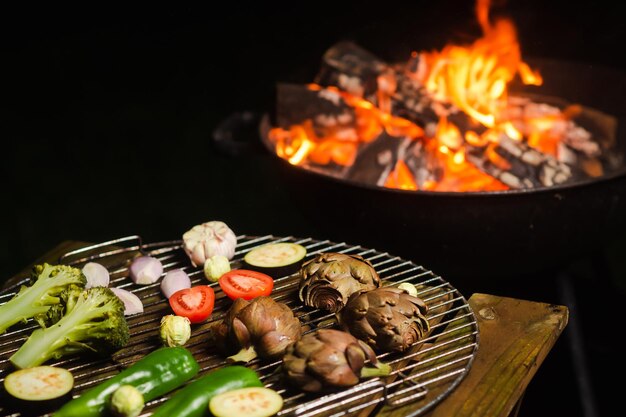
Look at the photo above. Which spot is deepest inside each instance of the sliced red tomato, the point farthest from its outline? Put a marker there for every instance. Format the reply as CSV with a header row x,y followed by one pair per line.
x,y
242,283
195,303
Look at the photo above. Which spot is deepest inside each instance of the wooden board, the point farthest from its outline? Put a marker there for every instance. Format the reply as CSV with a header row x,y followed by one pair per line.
x,y
515,338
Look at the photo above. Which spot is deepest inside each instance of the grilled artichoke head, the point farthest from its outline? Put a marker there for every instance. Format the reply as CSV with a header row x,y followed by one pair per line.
x,y
328,280
388,318
329,358
262,327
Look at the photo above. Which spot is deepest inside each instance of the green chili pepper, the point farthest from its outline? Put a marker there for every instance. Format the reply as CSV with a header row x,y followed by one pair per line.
x,y
156,374
193,400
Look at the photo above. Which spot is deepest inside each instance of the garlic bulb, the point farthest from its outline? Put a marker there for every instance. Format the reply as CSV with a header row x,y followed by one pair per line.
x,y
209,239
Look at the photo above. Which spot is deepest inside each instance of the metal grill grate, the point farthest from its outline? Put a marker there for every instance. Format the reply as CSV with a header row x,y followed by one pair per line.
x,y
425,374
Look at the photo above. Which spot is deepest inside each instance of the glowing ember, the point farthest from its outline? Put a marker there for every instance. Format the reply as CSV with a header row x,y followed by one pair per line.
x,y
465,89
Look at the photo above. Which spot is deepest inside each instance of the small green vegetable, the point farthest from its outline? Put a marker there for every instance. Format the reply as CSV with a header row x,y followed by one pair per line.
x,y
249,402
126,401
156,374
175,330
193,400
215,267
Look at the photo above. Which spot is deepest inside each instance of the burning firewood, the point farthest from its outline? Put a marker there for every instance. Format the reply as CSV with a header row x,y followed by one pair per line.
x,y
526,167
441,121
325,108
358,72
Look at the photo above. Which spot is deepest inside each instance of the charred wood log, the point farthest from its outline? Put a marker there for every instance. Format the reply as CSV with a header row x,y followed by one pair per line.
x,y
423,164
351,68
528,168
377,159
298,103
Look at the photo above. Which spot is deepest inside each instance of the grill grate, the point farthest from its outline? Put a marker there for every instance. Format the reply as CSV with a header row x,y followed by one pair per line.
x,y
425,374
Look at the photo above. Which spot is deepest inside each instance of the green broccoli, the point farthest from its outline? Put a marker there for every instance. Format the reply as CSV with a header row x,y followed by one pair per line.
x,y
93,320
48,281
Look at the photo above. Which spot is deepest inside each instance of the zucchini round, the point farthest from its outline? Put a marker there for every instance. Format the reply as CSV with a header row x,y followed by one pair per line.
x,y
276,259
249,402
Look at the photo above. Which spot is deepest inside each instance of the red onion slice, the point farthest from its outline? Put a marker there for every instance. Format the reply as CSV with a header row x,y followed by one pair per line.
x,y
96,274
175,280
132,303
145,270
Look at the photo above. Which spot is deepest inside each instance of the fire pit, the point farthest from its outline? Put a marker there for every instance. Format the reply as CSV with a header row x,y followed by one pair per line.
x,y
446,157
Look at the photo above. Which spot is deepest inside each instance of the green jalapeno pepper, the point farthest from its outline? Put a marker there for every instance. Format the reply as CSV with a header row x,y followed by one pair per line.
x,y
156,374
193,400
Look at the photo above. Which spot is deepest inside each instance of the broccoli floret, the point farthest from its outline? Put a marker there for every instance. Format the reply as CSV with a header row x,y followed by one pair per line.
x,y
93,320
48,281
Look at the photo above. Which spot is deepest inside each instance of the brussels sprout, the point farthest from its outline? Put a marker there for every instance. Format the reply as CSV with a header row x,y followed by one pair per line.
x,y
126,401
175,330
215,267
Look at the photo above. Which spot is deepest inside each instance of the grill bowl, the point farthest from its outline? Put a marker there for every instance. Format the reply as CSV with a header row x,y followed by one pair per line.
x,y
483,235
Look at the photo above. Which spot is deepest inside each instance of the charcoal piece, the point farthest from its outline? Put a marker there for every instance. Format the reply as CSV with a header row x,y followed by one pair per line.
x,y
298,103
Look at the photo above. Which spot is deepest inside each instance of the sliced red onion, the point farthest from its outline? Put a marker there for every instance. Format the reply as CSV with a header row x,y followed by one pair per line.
x,y
145,270
175,280
96,274
132,303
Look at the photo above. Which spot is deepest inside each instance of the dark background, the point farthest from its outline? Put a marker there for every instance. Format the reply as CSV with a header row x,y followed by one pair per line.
x,y
109,114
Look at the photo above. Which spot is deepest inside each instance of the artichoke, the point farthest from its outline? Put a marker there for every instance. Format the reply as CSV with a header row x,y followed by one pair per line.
x,y
388,318
328,280
330,358
260,327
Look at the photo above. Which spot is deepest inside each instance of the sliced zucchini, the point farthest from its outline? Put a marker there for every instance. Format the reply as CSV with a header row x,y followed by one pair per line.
x,y
276,259
38,390
249,402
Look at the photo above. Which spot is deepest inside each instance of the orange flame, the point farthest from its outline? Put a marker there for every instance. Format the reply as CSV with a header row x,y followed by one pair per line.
x,y
474,78
301,142
401,178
